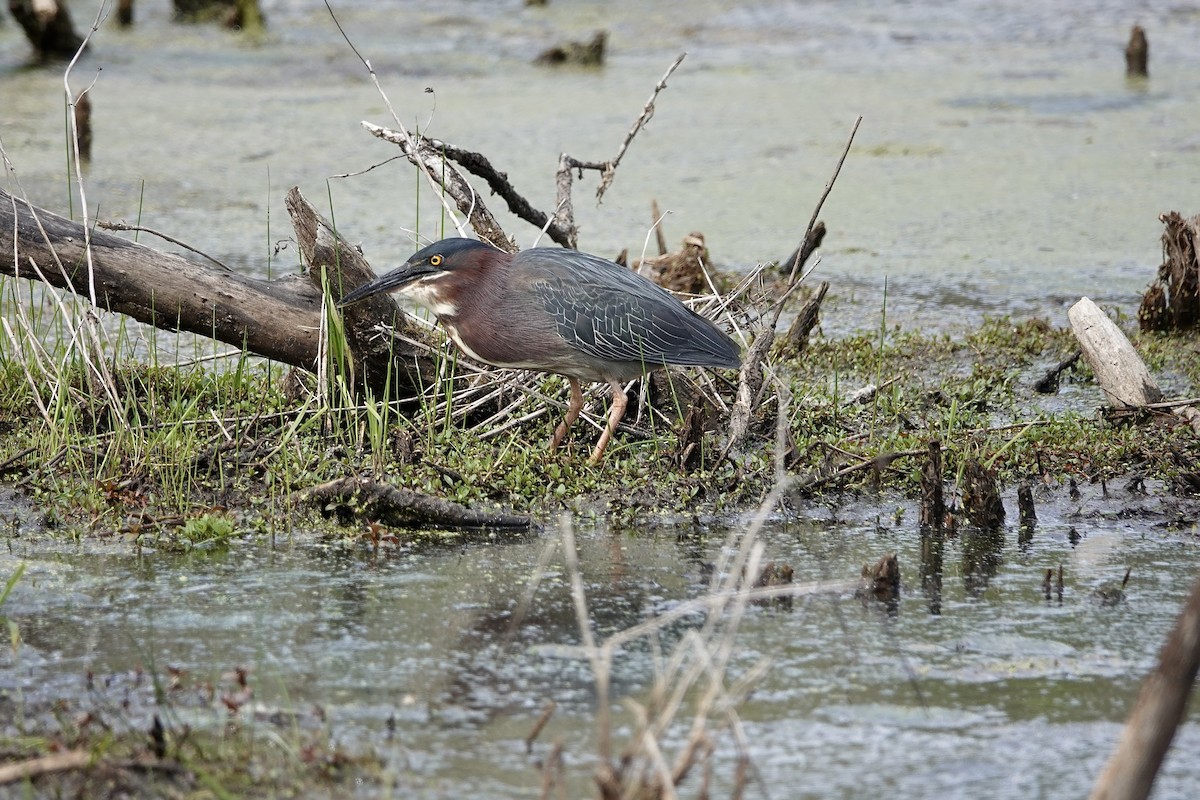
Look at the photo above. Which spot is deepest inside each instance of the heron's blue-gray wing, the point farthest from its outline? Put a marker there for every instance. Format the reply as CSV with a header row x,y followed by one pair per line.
x,y
612,313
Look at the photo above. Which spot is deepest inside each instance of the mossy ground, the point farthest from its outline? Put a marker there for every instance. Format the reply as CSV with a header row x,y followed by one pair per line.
x,y
189,456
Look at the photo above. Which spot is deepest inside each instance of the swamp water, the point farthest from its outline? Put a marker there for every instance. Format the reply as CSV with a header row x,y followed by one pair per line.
x,y
984,688
1004,166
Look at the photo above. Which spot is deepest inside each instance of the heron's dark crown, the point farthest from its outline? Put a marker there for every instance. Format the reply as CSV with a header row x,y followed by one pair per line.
x,y
455,253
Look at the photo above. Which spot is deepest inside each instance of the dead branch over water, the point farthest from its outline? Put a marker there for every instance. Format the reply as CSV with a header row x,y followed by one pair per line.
x,y
278,319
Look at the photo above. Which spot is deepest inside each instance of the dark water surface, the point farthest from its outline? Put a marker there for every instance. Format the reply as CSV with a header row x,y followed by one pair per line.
x,y
984,689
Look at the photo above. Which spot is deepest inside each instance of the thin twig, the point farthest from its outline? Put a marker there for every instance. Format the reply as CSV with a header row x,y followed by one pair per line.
x,y
828,188
412,151
647,114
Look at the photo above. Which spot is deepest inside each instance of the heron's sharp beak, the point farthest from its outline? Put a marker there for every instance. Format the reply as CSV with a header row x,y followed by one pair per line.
x,y
388,282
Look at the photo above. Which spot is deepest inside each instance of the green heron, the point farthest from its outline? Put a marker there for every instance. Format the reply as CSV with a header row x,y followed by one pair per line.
x,y
560,311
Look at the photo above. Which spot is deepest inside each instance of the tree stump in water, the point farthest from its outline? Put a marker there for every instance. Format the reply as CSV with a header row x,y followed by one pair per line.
x,y
881,581
981,497
1172,301
1137,54
583,54
48,27
933,500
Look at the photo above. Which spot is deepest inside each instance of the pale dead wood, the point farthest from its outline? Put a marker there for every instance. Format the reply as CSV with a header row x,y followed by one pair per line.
x,y
44,765
1161,707
422,153
278,319
1119,370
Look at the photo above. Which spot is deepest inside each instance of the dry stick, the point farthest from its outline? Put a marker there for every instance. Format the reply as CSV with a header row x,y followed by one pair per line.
x,y
547,713
1160,708
550,769
565,216
87,228
658,231
828,188
750,378
91,321
44,765
479,165
646,115
455,186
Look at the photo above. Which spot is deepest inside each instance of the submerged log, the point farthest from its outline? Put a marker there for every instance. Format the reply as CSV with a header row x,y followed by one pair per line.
x,y
393,505
279,319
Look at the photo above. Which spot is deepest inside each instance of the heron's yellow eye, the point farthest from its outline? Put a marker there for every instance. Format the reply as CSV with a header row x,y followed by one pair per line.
x,y
435,261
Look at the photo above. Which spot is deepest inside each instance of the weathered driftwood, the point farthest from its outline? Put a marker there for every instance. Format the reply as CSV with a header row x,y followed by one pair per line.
x,y
278,319
1117,367
47,25
1161,706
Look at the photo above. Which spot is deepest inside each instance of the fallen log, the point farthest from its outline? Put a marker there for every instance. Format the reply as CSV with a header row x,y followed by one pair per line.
x,y
399,507
278,319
